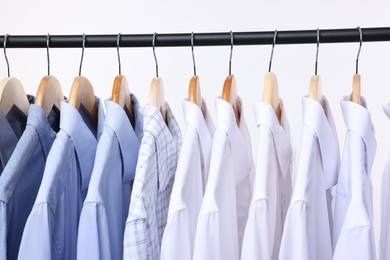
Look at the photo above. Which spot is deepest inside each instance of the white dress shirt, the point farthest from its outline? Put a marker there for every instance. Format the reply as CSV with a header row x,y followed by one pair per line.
x,y
190,182
353,226
272,186
308,225
225,205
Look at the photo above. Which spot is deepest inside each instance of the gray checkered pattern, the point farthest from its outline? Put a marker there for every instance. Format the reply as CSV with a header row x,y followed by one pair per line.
x,y
156,166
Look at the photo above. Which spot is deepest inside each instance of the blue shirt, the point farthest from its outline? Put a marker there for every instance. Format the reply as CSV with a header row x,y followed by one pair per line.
x,y
22,176
12,126
103,217
51,228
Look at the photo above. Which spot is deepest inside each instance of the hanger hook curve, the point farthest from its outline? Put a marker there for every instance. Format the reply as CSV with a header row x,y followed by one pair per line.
x,y
272,51
154,52
48,55
5,53
82,55
318,48
360,47
231,53
192,50
117,50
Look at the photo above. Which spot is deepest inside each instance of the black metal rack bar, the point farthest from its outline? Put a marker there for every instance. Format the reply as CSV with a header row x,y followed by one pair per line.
x,y
200,39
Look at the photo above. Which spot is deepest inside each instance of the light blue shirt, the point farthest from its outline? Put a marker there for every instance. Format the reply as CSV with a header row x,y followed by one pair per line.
x,y
22,176
103,217
51,228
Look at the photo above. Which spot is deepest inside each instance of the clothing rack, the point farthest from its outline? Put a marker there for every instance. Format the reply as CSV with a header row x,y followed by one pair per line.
x,y
199,39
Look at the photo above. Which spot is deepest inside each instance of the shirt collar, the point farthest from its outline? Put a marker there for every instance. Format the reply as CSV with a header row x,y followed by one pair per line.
x,y
37,119
83,138
128,138
265,116
386,109
203,124
167,137
357,119
238,137
319,118
8,140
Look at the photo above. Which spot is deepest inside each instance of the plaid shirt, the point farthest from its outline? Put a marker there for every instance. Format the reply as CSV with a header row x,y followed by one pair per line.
x,y
156,166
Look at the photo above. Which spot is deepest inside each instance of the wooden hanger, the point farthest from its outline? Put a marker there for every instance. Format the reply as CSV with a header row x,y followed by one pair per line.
x,y
356,96
315,88
194,94
271,93
156,95
13,94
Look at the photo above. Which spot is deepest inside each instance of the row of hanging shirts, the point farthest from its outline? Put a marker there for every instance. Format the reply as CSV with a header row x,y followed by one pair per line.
x,y
204,241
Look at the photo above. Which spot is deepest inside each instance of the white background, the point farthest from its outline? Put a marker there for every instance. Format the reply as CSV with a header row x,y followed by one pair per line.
x,y
293,64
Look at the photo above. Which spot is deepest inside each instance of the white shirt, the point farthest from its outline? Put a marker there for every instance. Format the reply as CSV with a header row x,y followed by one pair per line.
x,y
385,205
272,186
225,205
353,226
308,225
190,183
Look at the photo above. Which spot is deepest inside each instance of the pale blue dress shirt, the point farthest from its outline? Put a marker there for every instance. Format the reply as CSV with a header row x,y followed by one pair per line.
x,y
22,176
51,228
103,217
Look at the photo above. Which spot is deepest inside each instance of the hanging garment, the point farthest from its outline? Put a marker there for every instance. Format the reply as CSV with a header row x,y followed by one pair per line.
x,y
272,186
11,129
155,172
22,176
190,182
225,205
103,217
353,226
384,249
51,228
308,225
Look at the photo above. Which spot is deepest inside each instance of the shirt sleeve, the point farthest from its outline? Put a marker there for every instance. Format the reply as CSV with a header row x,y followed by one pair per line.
x,y
3,230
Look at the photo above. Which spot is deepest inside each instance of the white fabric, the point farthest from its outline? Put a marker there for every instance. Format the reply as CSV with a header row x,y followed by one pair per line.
x,y
224,209
272,186
385,205
308,225
353,226
190,182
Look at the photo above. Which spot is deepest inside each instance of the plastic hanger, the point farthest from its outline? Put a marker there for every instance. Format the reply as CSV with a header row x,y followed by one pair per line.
x,y
120,90
49,94
12,92
229,91
194,94
156,91
271,88
315,89
82,95
356,96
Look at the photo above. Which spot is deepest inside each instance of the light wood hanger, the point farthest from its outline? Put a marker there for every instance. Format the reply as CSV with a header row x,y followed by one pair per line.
x,y
315,88
120,91
49,94
156,91
194,94
356,95
82,95
12,92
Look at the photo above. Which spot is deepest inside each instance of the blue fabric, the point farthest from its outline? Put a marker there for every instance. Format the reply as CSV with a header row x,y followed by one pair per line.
x,y
103,217
51,228
11,129
22,177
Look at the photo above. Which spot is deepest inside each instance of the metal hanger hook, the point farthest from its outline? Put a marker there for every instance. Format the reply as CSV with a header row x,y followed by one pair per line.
x,y
48,55
192,50
117,50
154,53
318,48
231,53
360,47
5,53
82,55
272,51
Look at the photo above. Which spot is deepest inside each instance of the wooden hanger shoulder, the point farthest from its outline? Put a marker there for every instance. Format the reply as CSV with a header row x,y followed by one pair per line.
x,y
121,95
82,96
156,95
12,94
356,96
194,94
315,89
229,91
49,94
271,93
